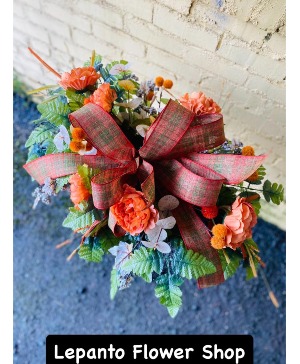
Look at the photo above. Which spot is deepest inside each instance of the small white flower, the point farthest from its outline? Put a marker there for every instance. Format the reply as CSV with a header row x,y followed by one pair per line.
x,y
118,68
133,104
122,252
62,139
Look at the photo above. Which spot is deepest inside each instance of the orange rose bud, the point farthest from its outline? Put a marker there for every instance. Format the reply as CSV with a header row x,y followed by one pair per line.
x,y
159,81
253,177
78,134
219,230
168,84
150,95
76,146
209,212
133,213
248,151
217,242
78,190
86,101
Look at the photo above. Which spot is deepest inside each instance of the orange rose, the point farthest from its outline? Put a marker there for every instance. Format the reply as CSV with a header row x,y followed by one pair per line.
x,y
104,96
239,223
79,192
79,78
199,103
132,213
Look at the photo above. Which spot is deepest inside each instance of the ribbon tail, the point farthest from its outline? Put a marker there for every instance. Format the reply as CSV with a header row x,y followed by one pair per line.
x,y
196,237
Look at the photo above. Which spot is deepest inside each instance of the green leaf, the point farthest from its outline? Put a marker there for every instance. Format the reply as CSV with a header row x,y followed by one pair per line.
x,y
61,182
147,277
40,134
76,100
227,196
91,250
113,284
273,192
144,262
80,220
230,268
190,264
107,239
86,173
168,291
251,243
55,111
164,101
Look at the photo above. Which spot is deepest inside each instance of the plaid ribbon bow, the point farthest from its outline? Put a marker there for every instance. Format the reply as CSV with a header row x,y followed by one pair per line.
x,y
170,150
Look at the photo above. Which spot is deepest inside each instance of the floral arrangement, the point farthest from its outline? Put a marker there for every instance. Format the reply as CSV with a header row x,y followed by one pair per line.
x,y
152,179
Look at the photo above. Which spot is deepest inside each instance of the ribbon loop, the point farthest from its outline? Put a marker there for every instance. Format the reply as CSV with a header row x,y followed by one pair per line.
x,y
103,132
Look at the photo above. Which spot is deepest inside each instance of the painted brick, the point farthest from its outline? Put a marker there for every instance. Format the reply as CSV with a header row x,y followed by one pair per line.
x,y
216,65
45,21
141,8
235,27
90,42
150,34
182,6
72,19
270,15
119,39
170,21
102,13
41,48
266,67
31,30
274,92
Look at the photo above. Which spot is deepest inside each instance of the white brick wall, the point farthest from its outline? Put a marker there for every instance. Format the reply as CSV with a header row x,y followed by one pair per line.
x,y
232,50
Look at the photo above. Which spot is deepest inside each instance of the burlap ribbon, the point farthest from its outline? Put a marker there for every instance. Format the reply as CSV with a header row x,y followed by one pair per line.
x,y
170,150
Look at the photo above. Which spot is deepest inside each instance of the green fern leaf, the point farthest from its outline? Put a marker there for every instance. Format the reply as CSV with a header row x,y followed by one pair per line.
x,y
190,264
61,182
80,220
55,111
91,250
40,134
168,291
144,262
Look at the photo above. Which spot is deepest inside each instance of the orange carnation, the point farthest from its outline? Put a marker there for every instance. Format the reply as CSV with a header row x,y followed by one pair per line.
x,y
79,192
199,103
132,212
239,223
104,96
79,78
